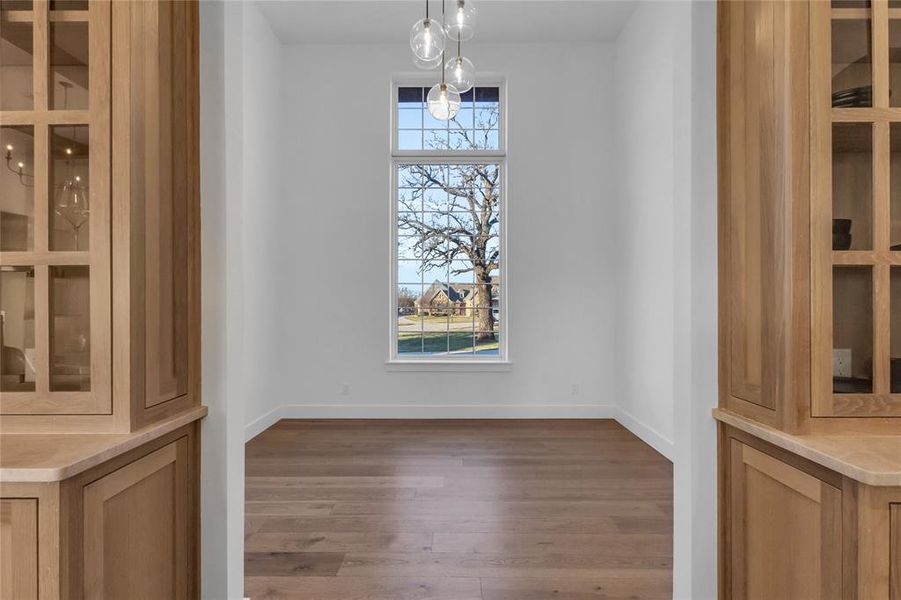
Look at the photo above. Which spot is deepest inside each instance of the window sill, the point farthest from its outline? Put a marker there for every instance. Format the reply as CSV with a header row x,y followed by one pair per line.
x,y
447,366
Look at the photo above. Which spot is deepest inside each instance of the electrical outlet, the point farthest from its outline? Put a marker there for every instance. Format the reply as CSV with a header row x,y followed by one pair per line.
x,y
345,389
841,362
575,389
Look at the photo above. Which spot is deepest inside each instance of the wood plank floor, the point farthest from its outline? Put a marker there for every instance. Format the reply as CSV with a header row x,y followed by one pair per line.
x,y
456,510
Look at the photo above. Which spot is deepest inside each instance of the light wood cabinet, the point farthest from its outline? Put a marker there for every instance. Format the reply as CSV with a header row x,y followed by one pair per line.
x,y
18,548
99,253
785,527
55,212
99,299
809,145
125,528
793,528
810,214
155,162
141,557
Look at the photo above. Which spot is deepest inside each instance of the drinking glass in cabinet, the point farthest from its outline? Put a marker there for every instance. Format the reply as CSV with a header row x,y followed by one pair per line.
x,y
17,188
70,331
852,329
852,186
70,187
17,350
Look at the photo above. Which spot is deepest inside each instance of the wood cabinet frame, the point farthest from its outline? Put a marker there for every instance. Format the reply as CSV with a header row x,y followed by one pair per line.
x,y
779,346
128,391
792,310
135,152
864,565
78,531
47,542
739,451
824,403
97,493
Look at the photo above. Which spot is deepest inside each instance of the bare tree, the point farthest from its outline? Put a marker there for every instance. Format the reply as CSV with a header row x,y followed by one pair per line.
x,y
460,233
406,299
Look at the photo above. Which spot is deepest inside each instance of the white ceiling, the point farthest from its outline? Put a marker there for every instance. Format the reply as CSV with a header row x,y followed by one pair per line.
x,y
504,21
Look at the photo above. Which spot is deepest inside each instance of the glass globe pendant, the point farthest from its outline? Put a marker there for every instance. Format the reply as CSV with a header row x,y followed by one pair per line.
x,y
427,39
460,72
427,65
444,101
461,25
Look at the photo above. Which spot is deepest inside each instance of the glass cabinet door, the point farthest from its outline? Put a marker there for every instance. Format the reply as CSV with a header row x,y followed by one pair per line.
x,y
856,208
54,207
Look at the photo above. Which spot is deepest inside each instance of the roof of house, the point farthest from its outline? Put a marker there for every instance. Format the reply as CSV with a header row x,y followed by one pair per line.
x,y
455,292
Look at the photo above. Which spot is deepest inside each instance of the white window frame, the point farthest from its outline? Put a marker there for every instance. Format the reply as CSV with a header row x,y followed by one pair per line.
x,y
403,157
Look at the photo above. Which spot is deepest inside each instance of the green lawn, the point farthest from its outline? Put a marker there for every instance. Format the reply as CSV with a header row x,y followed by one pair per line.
x,y
438,342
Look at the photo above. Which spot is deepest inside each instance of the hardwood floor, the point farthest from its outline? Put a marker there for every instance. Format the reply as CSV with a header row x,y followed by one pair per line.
x,y
456,510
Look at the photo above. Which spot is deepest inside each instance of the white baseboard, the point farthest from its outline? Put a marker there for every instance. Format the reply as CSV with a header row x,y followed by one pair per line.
x,y
446,411
648,435
262,423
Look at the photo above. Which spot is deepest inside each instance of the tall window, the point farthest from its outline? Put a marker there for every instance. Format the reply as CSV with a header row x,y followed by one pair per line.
x,y
448,231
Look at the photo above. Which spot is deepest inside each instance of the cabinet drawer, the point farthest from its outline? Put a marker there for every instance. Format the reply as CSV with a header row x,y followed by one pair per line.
x,y
785,526
135,528
18,548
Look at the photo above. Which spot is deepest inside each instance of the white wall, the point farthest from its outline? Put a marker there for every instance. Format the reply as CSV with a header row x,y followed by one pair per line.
x,y
224,389
644,80
695,474
664,70
623,230
332,232
260,151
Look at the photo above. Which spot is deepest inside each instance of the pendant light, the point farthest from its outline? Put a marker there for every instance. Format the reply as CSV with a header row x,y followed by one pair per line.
x,y
428,65
461,26
443,99
427,38
460,72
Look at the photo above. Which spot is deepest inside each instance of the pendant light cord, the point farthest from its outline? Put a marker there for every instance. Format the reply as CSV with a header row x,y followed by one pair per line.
x,y
443,19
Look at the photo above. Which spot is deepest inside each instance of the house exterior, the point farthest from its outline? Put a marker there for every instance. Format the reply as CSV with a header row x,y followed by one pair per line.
x,y
450,298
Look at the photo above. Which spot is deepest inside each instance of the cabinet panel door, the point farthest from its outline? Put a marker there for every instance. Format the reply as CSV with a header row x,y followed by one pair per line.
x,y
760,90
167,196
19,548
156,72
135,534
786,530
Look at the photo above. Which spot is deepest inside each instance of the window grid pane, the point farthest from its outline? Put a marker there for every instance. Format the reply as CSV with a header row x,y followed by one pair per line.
x,y
447,254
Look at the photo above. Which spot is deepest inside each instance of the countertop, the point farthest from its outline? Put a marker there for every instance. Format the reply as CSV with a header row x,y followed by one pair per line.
x,y
45,457
871,459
